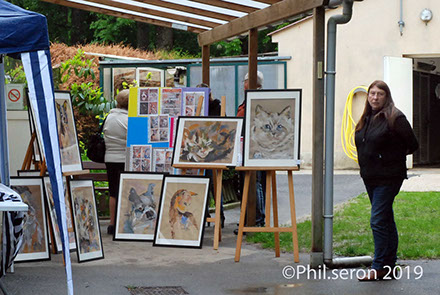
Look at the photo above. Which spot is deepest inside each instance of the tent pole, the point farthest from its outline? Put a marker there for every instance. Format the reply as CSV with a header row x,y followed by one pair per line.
x,y
4,152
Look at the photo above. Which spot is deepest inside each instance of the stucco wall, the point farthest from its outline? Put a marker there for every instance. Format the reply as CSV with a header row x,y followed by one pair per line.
x,y
362,44
18,139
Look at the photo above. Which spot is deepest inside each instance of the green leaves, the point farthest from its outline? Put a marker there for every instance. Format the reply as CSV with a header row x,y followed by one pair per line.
x,y
86,96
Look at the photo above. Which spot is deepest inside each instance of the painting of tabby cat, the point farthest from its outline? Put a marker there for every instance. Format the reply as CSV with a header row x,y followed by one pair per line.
x,y
202,141
272,128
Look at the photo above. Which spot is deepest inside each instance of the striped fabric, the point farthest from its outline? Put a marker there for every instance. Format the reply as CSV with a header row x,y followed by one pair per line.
x,y
38,70
12,230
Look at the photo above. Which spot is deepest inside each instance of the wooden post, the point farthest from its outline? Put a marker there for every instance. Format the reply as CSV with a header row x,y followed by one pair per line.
x,y
317,255
253,62
205,64
252,70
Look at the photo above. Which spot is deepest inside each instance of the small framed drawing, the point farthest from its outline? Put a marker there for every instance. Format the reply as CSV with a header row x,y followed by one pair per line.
x,y
69,148
148,101
182,211
136,211
35,244
162,160
272,128
85,220
53,216
212,140
140,158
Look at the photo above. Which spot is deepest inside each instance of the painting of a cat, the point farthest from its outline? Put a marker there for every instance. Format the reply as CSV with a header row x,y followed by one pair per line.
x,y
272,129
272,134
208,141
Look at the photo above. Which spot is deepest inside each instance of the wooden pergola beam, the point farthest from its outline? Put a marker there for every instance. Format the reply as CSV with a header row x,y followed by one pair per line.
x,y
125,15
268,1
189,9
168,15
228,5
276,12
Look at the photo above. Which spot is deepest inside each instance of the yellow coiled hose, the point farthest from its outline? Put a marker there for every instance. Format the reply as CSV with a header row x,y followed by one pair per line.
x,y
349,125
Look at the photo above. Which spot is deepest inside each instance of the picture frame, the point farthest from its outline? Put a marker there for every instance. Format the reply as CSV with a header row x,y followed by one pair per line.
x,y
68,139
163,160
272,128
207,141
137,206
85,220
139,159
35,244
190,100
54,219
29,172
38,149
182,211
148,101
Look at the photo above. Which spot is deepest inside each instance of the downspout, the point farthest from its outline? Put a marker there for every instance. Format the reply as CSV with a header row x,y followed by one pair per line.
x,y
401,22
329,141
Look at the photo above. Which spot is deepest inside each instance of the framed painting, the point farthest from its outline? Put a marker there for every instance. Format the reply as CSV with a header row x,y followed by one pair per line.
x,y
272,128
35,244
85,220
69,148
54,219
136,210
182,211
207,141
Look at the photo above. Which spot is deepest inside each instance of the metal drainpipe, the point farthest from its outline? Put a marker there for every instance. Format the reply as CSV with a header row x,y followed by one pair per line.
x,y
401,22
329,142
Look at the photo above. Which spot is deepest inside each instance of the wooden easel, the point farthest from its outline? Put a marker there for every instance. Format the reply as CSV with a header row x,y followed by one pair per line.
x,y
271,193
217,175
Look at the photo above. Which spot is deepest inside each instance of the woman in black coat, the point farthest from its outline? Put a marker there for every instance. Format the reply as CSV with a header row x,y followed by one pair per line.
x,y
383,139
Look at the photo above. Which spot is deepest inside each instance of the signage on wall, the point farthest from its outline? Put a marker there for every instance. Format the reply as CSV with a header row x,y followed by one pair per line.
x,y
14,96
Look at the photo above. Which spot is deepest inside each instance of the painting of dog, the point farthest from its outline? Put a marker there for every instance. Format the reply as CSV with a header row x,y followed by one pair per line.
x,y
182,211
138,201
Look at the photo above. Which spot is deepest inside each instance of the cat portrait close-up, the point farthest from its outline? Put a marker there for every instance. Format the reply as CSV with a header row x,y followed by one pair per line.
x,y
272,133
210,143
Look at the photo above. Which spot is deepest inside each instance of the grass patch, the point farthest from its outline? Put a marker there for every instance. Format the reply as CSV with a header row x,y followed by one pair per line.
x,y
416,215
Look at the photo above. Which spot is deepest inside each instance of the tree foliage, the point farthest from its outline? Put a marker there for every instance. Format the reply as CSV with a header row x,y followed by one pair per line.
x,y
73,26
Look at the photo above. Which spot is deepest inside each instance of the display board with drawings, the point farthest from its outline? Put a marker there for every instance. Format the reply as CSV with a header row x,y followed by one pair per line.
x,y
152,122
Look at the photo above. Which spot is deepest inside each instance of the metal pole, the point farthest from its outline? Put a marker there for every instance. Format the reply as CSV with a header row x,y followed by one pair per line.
x,y
4,151
330,126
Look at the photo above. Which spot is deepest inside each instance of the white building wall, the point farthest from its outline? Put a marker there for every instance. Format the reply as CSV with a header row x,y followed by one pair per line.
x,y
362,44
18,139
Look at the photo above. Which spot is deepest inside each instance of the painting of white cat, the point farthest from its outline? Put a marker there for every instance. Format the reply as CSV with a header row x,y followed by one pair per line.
x,y
272,128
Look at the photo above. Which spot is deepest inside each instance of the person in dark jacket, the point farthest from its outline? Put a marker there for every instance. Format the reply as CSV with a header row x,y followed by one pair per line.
x,y
383,139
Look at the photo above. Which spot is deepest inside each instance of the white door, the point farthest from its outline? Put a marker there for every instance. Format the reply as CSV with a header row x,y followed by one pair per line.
x,y
398,74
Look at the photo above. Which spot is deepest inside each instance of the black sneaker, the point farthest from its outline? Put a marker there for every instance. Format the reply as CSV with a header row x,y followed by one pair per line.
x,y
111,230
236,232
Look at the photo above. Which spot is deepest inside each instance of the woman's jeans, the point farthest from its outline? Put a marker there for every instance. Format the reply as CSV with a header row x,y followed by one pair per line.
x,y
382,223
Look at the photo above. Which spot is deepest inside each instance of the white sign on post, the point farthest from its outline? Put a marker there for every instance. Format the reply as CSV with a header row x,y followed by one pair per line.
x,y
14,96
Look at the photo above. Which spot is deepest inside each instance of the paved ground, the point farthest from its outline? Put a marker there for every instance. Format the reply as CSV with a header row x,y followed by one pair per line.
x,y
207,271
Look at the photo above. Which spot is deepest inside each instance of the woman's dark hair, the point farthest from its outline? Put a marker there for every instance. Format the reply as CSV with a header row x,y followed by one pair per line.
x,y
388,111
